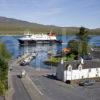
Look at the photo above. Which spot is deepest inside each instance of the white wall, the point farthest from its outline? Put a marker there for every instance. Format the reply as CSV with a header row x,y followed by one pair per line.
x,y
84,73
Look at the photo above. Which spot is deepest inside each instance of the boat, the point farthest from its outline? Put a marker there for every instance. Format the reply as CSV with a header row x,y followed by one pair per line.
x,y
38,38
28,59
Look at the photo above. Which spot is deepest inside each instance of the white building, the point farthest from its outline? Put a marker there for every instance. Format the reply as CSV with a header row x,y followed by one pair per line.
x,y
75,70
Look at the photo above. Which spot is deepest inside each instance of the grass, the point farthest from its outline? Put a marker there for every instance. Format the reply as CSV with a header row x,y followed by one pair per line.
x,y
56,60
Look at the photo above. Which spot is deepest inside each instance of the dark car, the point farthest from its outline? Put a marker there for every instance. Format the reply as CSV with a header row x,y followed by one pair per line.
x,y
86,83
24,63
87,57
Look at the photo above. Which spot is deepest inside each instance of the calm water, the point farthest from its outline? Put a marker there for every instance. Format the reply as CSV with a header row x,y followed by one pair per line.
x,y
42,50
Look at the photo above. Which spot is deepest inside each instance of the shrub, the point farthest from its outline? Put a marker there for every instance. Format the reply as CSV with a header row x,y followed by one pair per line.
x,y
2,88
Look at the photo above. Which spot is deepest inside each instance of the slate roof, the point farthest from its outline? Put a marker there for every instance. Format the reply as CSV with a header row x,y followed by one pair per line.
x,y
87,64
96,54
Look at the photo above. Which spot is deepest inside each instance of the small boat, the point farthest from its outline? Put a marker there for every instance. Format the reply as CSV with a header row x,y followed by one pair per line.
x,y
38,38
26,60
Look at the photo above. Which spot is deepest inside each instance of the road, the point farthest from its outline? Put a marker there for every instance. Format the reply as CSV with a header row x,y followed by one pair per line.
x,y
20,93
57,90
49,88
2,98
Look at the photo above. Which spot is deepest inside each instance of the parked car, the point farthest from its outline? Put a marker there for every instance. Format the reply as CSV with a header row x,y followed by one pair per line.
x,y
87,57
24,63
86,83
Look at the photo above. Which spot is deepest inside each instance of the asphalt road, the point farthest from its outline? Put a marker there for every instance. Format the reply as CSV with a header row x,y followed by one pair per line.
x,y
52,89
2,98
56,90
20,92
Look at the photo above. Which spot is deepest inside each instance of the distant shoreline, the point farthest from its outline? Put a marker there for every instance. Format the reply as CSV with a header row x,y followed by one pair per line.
x,y
22,33
37,33
11,35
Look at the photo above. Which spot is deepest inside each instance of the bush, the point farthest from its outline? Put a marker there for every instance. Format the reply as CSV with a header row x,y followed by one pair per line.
x,y
2,88
4,53
70,57
4,58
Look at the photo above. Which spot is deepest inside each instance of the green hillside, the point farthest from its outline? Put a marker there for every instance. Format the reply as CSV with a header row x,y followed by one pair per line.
x,y
14,26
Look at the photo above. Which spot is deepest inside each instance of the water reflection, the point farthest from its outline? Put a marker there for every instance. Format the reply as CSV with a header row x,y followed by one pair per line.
x,y
42,50
42,53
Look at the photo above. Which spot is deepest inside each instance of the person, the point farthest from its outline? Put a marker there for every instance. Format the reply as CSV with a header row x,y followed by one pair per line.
x,y
11,68
62,61
23,73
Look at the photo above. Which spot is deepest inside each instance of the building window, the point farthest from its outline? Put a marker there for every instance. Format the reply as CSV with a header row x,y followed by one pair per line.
x,y
82,77
89,69
96,75
80,67
69,68
97,70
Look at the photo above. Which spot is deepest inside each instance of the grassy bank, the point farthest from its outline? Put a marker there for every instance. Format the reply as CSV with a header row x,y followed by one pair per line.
x,y
55,60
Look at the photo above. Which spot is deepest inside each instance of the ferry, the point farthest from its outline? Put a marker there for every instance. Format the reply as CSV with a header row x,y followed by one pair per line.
x,y
38,38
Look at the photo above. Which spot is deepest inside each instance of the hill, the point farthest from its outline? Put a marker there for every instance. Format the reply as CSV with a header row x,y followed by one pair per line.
x,y
10,25
95,31
15,26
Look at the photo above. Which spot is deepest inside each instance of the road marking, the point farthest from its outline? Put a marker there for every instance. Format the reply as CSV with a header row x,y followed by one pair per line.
x,y
36,87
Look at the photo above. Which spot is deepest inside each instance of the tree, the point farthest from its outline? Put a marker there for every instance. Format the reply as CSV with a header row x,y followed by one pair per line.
x,y
3,69
73,44
83,38
79,46
2,88
4,58
4,52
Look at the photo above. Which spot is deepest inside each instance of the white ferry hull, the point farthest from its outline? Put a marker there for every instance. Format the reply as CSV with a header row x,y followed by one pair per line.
x,y
29,42
38,38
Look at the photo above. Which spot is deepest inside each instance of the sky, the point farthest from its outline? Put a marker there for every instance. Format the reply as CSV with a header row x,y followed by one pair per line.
x,y
65,13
